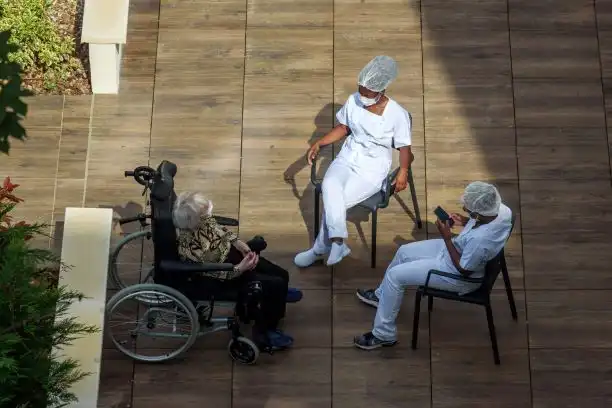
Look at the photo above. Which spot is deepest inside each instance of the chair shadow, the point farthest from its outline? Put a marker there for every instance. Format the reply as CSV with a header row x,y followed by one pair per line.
x,y
130,209
400,240
359,215
323,124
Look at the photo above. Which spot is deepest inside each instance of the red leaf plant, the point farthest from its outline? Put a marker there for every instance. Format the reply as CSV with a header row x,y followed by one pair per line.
x,y
7,198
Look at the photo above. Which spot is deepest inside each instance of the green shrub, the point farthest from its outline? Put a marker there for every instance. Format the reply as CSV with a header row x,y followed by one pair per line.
x,y
40,44
34,323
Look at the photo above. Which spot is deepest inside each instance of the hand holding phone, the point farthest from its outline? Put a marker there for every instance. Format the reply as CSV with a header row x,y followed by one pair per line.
x,y
443,216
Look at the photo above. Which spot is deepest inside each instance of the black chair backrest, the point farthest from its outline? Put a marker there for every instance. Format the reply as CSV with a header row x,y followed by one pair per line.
x,y
512,227
162,198
492,271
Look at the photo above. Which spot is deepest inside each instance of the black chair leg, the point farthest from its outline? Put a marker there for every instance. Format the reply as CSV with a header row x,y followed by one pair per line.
x,y
374,227
415,323
415,201
506,276
492,334
317,221
430,303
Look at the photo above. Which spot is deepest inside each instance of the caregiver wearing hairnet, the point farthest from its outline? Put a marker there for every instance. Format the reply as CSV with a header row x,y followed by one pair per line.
x,y
377,124
484,235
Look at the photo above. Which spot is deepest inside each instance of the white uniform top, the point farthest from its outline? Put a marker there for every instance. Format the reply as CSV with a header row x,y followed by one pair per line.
x,y
368,149
478,246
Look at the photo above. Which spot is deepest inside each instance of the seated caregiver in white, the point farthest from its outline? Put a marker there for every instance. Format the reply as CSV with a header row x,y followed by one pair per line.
x,y
484,235
377,124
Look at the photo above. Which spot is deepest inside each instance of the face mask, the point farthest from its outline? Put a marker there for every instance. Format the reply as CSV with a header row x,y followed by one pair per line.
x,y
470,213
369,101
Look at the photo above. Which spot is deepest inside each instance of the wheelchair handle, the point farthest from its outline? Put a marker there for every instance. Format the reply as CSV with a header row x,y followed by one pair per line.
x,y
142,174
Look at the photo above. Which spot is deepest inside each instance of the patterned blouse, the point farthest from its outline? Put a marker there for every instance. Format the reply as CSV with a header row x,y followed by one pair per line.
x,y
209,243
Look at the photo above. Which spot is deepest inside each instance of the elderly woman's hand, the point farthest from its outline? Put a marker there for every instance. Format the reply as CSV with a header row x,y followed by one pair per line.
x,y
242,247
248,262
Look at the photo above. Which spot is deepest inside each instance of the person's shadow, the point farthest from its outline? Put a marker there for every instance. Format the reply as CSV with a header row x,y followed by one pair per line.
x,y
324,122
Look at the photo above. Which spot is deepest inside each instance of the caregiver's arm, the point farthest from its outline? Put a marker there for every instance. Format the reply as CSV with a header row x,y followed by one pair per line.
x,y
405,158
335,135
455,256
401,180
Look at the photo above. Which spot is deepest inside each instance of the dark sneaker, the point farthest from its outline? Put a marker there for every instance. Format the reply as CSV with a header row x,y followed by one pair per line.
x,y
294,295
367,296
368,341
279,340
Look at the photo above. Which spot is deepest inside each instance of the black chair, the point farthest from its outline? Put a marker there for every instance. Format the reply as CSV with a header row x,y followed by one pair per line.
x,y
480,296
372,204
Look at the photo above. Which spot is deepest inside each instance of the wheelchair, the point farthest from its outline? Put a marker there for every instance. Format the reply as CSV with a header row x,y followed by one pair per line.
x,y
161,302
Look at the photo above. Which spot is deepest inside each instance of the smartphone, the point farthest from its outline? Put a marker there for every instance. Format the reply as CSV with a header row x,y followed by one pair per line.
x,y
443,216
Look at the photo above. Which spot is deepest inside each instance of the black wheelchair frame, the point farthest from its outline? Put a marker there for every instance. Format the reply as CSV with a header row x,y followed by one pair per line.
x,y
170,275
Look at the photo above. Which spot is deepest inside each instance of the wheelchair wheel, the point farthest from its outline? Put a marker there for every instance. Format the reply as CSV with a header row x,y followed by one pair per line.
x,y
243,350
144,273
140,330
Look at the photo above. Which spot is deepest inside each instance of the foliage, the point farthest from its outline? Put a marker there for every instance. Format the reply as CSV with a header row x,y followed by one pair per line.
x,y
34,323
12,108
40,43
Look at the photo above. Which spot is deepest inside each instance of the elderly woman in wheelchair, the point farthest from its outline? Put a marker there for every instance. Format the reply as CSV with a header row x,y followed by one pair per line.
x,y
199,267
201,239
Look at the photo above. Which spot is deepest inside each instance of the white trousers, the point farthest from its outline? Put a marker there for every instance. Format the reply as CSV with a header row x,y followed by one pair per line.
x,y
410,266
342,189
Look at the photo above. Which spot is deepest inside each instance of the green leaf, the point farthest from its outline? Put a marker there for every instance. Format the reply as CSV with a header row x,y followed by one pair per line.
x,y
20,107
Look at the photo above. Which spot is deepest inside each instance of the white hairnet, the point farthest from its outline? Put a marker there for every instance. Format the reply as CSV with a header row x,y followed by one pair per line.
x,y
378,73
482,198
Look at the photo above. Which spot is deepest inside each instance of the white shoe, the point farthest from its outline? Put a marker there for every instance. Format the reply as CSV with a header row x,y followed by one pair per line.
x,y
306,258
338,251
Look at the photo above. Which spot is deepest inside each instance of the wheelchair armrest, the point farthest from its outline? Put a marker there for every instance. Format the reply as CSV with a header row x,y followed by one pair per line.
x,y
450,275
193,267
227,221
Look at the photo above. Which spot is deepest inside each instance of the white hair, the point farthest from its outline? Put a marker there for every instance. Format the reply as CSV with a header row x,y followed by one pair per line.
x,y
188,209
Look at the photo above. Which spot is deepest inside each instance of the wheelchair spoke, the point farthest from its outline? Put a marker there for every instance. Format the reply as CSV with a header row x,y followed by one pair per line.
x,y
142,330
131,260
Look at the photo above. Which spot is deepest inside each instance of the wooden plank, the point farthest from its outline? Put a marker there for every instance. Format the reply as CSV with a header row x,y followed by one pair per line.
x,y
558,103
185,385
569,319
557,374
505,386
302,379
198,97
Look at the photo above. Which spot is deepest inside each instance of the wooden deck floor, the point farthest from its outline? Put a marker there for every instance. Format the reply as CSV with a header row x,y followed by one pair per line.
x,y
513,91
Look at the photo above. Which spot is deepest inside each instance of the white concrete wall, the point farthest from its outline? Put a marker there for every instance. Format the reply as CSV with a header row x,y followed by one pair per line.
x,y
85,249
